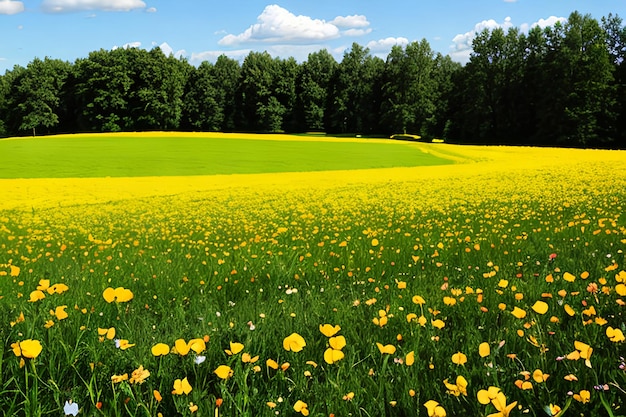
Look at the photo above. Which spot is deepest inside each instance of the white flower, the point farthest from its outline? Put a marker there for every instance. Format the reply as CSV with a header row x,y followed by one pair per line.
x,y
70,408
199,359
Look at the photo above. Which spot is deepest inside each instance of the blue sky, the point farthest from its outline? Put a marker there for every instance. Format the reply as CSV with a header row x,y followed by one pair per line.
x,y
203,29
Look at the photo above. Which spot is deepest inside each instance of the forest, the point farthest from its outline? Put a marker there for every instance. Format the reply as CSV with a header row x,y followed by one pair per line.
x,y
563,85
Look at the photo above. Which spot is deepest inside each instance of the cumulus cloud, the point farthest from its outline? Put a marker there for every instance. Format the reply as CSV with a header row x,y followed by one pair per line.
x,y
385,45
462,43
11,7
168,50
61,6
354,21
198,57
128,45
551,21
276,25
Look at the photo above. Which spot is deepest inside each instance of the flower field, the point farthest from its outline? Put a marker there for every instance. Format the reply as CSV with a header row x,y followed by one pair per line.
x,y
493,286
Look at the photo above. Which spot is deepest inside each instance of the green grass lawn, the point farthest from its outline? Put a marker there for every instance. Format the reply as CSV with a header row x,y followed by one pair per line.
x,y
124,156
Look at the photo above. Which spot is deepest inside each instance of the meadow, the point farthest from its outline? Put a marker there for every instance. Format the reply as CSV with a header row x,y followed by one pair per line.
x,y
486,281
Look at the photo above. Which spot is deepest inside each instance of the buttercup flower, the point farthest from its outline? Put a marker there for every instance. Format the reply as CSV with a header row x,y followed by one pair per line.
x,y
386,349
223,372
294,342
181,387
301,407
28,348
434,409
160,349
329,330
119,295
459,358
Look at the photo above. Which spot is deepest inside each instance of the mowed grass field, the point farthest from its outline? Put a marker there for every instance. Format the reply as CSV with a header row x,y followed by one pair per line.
x,y
178,154
473,281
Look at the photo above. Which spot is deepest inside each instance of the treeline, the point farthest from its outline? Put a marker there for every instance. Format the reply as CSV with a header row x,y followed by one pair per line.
x,y
563,85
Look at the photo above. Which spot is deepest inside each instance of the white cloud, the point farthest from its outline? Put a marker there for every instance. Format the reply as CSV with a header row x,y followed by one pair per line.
x,y
354,21
276,24
60,6
279,26
151,10
168,50
385,45
382,47
461,48
551,21
356,32
11,7
128,45
462,43
211,56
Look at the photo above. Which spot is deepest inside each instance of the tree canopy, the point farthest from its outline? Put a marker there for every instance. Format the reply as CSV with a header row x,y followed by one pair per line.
x,y
563,85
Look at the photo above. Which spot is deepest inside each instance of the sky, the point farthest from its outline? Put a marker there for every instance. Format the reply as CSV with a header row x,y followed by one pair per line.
x,y
201,30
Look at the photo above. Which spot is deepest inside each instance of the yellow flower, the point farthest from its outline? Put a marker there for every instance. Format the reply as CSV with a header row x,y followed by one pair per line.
x,y
119,295
14,270
459,358
59,312
460,388
410,358
440,324
434,409
271,363
160,349
181,387
157,395
585,351
301,407
116,379
108,333
614,335
484,350
139,375
329,330
181,347
223,372
540,307
337,342
197,345
28,348
235,348
247,358
497,398
294,342
386,349
569,310
418,299
539,376
193,407
57,289
36,296
569,277
123,344
583,396
332,355
518,312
